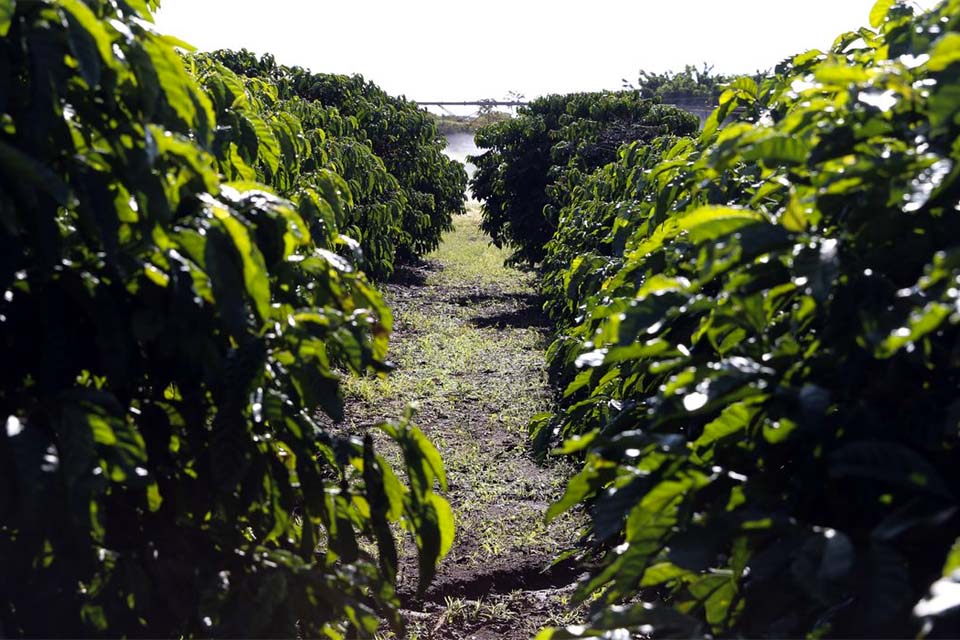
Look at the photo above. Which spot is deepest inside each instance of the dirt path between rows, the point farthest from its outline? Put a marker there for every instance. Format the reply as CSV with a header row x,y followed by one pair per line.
x,y
469,344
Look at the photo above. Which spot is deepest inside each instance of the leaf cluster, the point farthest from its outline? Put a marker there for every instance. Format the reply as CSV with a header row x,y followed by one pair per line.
x,y
760,336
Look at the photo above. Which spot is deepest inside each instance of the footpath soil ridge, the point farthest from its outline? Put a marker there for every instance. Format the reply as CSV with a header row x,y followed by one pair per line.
x,y
469,347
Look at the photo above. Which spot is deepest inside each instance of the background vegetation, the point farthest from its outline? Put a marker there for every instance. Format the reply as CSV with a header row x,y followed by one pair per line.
x,y
532,160
691,84
450,124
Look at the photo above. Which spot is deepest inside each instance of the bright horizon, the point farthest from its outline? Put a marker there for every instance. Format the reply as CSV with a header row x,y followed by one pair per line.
x,y
442,50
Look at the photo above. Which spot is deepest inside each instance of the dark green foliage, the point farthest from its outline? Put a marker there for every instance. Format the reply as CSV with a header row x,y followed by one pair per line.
x,y
168,342
401,135
591,230
535,159
762,338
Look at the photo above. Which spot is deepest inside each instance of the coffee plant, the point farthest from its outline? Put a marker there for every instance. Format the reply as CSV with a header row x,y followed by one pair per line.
x,y
761,332
318,147
171,326
403,136
533,160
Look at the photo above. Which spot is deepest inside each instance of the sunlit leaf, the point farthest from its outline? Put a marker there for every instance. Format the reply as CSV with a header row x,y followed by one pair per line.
x,y
878,14
945,53
7,11
96,31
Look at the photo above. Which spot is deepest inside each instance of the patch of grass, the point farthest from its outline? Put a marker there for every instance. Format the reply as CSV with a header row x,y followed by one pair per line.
x,y
469,258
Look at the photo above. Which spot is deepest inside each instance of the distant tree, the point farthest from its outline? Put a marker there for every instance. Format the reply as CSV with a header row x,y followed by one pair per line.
x,y
487,106
514,96
692,82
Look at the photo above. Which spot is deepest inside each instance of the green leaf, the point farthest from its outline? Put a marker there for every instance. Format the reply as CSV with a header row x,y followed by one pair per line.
x,y
317,388
778,149
239,99
943,101
186,150
84,24
255,276
7,10
578,488
796,217
747,85
177,43
733,419
84,50
878,14
102,432
945,52
709,223
841,74
952,563
268,149
659,284
241,170
702,225
379,506
921,322
432,462
178,89
435,536
717,592
335,191
445,523
663,572
393,490
154,499
577,443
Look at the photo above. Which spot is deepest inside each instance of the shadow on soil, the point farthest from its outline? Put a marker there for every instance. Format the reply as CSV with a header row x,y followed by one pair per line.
x,y
523,318
506,310
504,577
414,274
498,309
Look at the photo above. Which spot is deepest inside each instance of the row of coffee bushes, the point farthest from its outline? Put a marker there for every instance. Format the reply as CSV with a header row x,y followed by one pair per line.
x,y
533,160
170,327
759,327
324,159
429,187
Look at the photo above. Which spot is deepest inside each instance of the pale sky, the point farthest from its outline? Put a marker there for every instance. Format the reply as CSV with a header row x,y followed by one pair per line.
x,y
451,50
